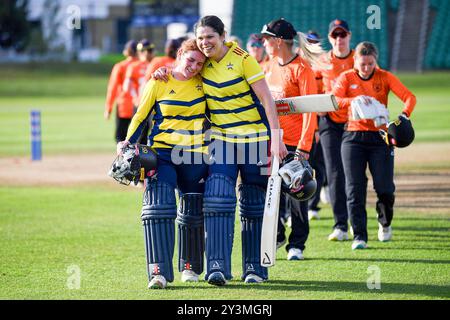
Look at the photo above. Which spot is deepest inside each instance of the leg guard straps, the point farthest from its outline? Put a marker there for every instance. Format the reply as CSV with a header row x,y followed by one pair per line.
x,y
251,208
191,233
219,205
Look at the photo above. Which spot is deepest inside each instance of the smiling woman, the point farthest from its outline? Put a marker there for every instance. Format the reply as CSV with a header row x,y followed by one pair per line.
x,y
243,119
179,113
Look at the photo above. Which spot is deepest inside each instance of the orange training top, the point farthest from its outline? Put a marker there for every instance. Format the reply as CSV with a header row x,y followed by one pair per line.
x,y
350,85
336,67
156,63
115,92
293,79
135,79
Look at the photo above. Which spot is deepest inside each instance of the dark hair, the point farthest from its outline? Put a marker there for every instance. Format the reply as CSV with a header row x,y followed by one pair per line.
x,y
213,22
366,49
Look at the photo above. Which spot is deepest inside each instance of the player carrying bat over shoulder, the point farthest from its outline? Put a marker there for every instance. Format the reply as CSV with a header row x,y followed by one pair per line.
x,y
289,75
364,91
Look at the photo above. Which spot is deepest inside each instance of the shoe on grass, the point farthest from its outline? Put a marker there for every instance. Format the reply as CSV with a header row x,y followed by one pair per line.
x,y
217,279
359,244
338,235
295,254
253,278
157,282
384,233
189,276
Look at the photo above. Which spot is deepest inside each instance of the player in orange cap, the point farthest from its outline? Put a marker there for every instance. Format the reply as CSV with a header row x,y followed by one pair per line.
x,y
331,125
117,95
362,144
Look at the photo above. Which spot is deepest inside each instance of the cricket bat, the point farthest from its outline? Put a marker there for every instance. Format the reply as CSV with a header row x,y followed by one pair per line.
x,y
270,218
309,103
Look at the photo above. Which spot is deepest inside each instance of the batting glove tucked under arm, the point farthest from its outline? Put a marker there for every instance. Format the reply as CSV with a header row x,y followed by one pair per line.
x,y
289,171
292,172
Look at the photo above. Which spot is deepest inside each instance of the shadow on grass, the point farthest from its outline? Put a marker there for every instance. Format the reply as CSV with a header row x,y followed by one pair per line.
x,y
427,261
444,248
422,229
331,287
418,237
358,287
420,219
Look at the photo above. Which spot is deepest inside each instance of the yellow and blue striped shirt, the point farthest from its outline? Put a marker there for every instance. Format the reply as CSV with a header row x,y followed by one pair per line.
x,y
236,113
179,113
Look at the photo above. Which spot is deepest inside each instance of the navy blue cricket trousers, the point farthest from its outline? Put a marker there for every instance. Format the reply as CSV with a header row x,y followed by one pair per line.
x,y
359,150
331,140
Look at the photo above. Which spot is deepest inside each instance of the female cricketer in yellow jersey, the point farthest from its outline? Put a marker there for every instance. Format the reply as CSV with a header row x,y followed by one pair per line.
x,y
178,137
243,119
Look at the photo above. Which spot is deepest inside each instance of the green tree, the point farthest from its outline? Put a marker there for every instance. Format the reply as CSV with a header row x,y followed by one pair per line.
x,y
14,26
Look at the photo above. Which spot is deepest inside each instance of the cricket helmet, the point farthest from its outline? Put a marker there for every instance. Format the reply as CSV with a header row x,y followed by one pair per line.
x,y
304,184
400,132
136,162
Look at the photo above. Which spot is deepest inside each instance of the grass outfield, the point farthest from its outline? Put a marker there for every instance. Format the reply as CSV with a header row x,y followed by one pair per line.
x,y
47,233
98,230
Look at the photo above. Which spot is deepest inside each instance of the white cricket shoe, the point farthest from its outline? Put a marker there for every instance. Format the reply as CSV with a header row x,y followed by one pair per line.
x,y
325,195
253,278
359,244
338,235
384,233
158,282
313,215
295,254
189,276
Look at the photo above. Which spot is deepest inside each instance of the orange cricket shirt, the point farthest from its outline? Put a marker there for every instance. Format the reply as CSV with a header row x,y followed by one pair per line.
x,y
293,79
135,79
157,63
115,91
350,85
329,76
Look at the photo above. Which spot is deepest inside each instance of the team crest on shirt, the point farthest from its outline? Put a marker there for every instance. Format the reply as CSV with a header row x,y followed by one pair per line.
x,y
287,77
353,86
230,66
172,92
209,65
377,87
198,87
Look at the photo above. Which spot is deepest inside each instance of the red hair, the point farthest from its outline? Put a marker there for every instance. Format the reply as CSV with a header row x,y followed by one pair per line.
x,y
188,45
